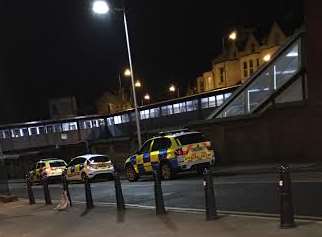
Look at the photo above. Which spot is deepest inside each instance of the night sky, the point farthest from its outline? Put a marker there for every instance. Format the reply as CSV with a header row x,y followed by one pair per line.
x,y
55,48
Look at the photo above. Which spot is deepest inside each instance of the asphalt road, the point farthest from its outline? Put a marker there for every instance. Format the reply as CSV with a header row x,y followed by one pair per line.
x,y
244,193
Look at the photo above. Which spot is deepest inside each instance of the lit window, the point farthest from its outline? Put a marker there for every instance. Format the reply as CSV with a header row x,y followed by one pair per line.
x,y
166,110
192,105
154,113
145,114
72,126
101,122
204,103
220,99
227,95
125,118
117,119
109,121
212,101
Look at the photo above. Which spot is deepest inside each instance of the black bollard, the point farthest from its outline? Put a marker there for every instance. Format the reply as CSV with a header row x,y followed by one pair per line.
x,y
158,195
66,188
210,200
29,190
46,190
286,202
118,191
88,194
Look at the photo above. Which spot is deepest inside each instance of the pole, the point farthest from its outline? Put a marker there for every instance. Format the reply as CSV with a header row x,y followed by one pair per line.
x,y
132,81
286,201
210,200
158,195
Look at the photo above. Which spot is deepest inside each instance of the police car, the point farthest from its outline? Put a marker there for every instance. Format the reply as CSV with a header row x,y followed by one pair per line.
x,y
89,166
171,152
51,168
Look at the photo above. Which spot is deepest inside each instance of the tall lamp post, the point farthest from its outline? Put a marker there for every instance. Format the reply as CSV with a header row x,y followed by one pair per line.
x,y
101,7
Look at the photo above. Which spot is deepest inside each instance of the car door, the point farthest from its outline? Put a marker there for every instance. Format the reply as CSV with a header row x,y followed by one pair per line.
x,y
143,158
160,150
71,169
79,167
39,169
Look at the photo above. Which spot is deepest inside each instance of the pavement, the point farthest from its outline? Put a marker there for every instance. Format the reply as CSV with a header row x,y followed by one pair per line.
x,y
21,219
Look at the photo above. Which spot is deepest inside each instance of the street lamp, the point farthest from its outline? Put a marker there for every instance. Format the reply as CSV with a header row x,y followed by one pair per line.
x,y
147,97
267,58
138,84
101,7
172,88
127,72
233,37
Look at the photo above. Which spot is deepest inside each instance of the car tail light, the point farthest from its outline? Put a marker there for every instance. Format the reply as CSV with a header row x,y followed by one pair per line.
x,y
209,146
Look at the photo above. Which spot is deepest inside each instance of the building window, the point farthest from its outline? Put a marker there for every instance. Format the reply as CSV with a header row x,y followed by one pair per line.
x,y
212,101
145,114
192,105
222,74
257,62
251,67
245,67
204,103
154,113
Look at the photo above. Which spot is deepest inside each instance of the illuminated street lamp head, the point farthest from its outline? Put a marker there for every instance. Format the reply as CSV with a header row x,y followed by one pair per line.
x,y
100,7
147,97
267,57
233,35
137,84
127,72
172,88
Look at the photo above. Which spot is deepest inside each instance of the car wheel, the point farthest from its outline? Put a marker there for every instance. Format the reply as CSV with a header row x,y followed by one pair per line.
x,y
132,176
167,172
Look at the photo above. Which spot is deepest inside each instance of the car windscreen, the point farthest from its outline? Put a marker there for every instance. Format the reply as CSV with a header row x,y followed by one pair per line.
x,y
57,164
191,138
97,159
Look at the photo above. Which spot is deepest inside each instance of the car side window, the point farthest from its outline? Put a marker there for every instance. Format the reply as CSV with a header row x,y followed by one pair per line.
x,y
161,143
40,165
73,162
146,147
82,160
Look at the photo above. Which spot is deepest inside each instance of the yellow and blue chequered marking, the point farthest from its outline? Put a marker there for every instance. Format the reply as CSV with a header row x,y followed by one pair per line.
x,y
144,163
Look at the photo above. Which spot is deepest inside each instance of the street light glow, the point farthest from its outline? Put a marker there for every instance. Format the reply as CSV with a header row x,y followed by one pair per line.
x,y
267,57
127,72
147,97
100,7
233,35
172,88
137,84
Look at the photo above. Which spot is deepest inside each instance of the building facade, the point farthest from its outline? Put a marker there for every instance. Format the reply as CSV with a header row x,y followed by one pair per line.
x,y
241,58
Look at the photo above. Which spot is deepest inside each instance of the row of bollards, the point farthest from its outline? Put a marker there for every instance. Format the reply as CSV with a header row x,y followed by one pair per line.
x,y
286,203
